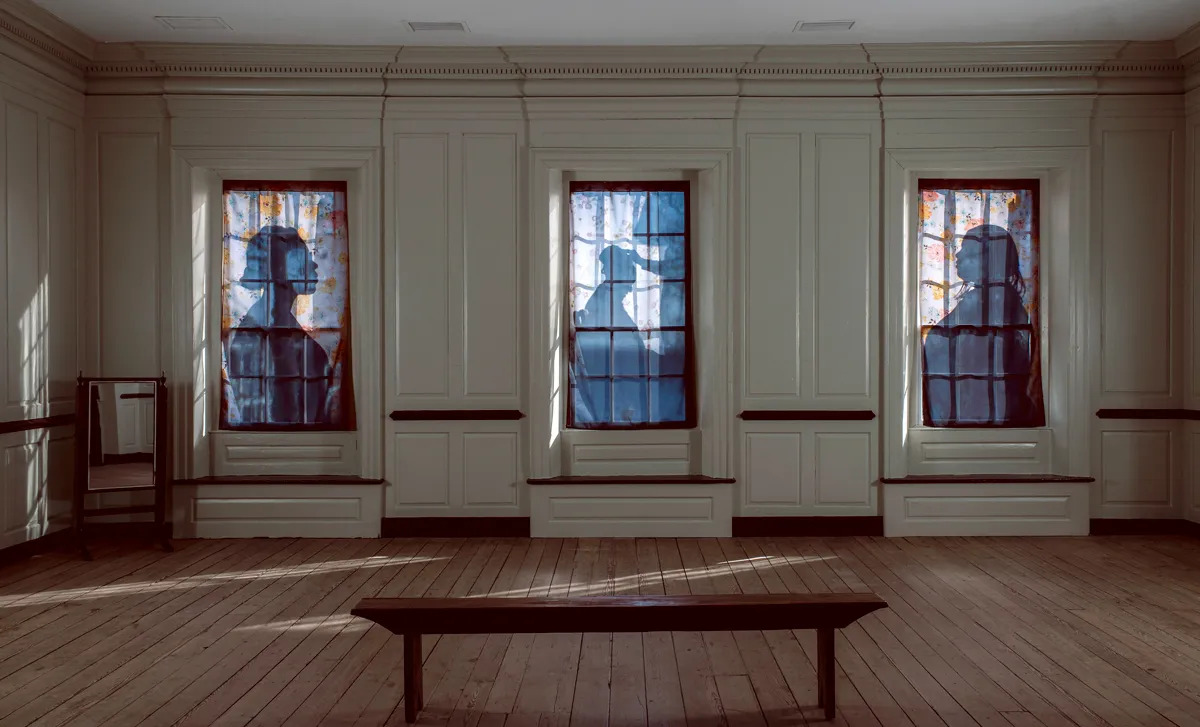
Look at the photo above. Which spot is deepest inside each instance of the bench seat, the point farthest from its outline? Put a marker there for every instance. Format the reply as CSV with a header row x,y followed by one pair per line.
x,y
412,617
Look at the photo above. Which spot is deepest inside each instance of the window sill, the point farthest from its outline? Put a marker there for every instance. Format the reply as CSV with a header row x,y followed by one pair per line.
x,y
631,479
1007,479
279,480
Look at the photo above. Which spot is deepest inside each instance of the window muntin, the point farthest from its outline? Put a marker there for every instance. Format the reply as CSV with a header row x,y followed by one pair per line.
x,y
285,307
631,364
978,303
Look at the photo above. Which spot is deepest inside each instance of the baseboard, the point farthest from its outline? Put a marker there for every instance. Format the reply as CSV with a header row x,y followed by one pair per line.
x,y
37,546
1142,526
454,527
824,527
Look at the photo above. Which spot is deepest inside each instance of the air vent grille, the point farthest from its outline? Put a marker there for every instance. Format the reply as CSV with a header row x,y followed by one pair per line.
x,y
179,22
443,26
803,26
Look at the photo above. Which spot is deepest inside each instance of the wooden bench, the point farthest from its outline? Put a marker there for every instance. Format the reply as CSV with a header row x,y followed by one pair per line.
x,y
412,617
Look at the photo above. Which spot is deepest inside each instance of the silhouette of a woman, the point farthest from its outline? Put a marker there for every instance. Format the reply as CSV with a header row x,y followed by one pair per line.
x,y
979,359
278,373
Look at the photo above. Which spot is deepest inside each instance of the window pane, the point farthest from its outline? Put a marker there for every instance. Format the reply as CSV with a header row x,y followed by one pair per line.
x,y
626,285
629,353
593,352
629,401
668,402
673,309
667,212
668,352
978,303
591,401
285,301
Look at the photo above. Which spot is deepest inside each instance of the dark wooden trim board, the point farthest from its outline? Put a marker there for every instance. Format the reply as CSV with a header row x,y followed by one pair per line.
x,y
139,395
24,425
826,527
1142,526
280,480
437,415
808,415
454,527
1187,414
980,479
630,479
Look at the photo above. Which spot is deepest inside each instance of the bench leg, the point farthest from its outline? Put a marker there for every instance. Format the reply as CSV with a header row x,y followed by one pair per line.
x,y
414,699
826,672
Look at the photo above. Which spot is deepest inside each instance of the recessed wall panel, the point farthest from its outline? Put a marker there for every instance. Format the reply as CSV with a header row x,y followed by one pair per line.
x,y
489,468
842,350
421,316
773,468
771,312
843,463
24,287
491,331
1136,467
421,467
63,281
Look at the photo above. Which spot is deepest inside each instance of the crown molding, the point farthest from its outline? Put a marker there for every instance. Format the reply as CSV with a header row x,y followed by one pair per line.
x,y
43,30
641,107
1188,41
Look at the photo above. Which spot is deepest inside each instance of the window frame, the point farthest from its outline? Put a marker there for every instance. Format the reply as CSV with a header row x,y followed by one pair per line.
x,y
689,371
1037,327
282,184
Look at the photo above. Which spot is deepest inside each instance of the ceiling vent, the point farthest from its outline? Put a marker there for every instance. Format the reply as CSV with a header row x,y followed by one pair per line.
x,y
803,26
445,27
176,22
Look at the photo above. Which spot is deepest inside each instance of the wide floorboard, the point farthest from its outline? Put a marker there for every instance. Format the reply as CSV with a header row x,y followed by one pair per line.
x,y
1004,632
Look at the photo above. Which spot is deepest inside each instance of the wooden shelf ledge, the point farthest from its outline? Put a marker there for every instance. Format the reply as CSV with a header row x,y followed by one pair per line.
x,y
631,480
280,480
981,479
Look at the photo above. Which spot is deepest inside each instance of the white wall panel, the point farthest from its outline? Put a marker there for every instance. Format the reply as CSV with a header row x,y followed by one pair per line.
x,y
773,468
993,451
421,468
491,334
662,452
330,510
843,468
490,469
299,453
630,510
1137,473
771,259
1137,212
62,280
23,284
130,240
843,266
455,468
985,509
421,310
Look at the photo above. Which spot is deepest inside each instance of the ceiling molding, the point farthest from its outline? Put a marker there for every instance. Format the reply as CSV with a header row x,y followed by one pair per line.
x,y
45,31
1188,41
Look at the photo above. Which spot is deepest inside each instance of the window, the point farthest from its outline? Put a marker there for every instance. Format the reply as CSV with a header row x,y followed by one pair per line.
x,y
630,316
285,307
978,303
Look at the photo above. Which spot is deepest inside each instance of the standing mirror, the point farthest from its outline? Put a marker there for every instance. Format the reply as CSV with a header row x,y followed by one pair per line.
x,y
120,448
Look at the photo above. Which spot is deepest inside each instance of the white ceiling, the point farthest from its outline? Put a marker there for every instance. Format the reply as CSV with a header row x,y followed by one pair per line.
x,y
619,22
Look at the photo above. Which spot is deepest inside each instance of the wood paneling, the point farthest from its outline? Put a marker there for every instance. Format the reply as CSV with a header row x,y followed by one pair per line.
x,y
421,468
23,285
843,467
771,307
130,240
1137,468
490,469
842,310
773,468
62,296
491,277
421,309
1137,212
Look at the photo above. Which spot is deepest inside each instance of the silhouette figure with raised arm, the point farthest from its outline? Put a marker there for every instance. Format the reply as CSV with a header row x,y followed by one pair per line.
x,y
278,373
978,360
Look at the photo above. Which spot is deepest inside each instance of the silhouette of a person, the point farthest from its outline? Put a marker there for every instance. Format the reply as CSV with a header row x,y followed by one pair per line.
x,y
278,373
605,309
978,360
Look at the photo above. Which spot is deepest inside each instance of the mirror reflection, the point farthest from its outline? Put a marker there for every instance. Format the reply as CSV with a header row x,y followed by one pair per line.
x,y
121,435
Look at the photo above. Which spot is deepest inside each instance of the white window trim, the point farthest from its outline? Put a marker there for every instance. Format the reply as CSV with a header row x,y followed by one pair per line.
x,y
196,187
1061,447
708,444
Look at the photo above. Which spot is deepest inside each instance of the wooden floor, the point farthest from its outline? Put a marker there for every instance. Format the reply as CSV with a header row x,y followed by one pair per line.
x,y
988,631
